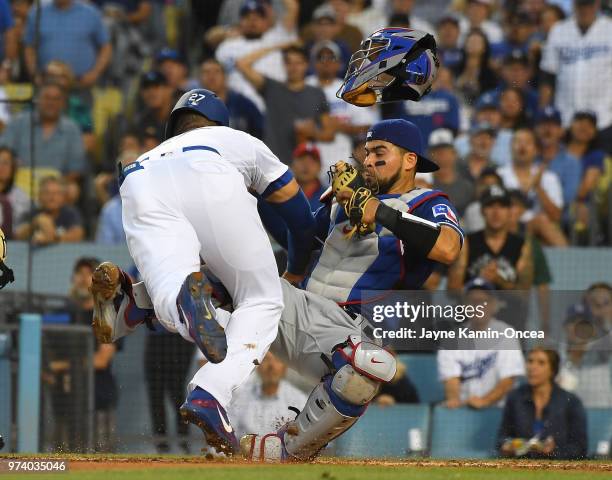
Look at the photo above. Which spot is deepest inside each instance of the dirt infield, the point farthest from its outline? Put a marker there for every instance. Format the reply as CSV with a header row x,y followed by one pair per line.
x,y
105,462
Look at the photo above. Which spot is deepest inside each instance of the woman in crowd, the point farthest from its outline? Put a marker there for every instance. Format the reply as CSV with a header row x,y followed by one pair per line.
x,y
14,202
540,419
474,74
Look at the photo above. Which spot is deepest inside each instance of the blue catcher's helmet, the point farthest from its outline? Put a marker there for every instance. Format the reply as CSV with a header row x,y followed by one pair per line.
x,y
392,64
201,101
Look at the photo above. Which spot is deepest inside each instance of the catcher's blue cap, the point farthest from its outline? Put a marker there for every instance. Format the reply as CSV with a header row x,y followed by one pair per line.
x,y
404,134
200,101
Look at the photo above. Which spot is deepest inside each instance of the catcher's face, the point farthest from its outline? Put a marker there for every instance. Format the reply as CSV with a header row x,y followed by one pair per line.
x,y
388,167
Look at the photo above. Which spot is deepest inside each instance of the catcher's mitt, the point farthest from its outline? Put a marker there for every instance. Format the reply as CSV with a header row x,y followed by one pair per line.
x,y
6,274
344,177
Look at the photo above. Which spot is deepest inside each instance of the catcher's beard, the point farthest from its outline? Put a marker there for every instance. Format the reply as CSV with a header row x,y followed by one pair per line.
x,y
381,186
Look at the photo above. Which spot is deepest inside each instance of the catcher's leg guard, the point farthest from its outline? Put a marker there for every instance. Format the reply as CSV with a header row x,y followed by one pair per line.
x,y
333,407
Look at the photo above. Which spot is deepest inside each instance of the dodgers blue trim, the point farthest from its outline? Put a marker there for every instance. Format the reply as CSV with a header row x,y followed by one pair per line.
x,y
191,148
343,407
277,184
132,167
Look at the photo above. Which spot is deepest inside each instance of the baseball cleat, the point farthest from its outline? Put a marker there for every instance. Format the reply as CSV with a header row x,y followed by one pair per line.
x,y
196,310
115,313
204,411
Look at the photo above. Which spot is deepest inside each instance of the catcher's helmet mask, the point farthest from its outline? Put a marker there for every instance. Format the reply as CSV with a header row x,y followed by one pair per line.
x,y
392,64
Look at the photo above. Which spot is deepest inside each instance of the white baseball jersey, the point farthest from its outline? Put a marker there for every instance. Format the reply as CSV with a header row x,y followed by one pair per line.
x,y
583,68
188,198
270,65
480,370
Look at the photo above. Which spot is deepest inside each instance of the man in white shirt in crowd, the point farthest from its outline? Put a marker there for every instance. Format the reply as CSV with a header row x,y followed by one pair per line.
x,y
258,31
477,15
350,121
541,186
577,66
261,404
481,378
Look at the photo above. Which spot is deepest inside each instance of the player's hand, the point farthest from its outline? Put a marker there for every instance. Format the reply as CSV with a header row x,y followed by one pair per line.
x,y
293,278
476,402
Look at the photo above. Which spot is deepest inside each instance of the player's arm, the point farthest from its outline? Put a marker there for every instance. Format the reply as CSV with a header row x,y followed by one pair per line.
x,y
456,272
289,202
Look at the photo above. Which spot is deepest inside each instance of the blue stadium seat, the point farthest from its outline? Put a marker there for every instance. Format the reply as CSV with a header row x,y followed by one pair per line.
x,y
423,371
383,432
599,427
464,433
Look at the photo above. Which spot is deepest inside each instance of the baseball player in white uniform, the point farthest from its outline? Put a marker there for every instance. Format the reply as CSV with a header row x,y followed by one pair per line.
x,y
188,199
578,58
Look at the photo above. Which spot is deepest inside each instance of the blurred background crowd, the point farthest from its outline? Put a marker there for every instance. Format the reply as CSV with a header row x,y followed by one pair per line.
x,y
519,121
509,106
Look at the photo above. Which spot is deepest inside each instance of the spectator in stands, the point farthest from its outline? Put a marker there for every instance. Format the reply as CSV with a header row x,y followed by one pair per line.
x,y
80,306
175,68
586,360
260,405
598,299
366,16
53,221
158,100
515,72
295,112
477,17
494,254
520,27
349,120
399,390
447,178
403,8
482,139
541,186
76,109
449,50
576,52
473,72
543,411
8,41
244,115
306,167
71,31
513,110
553,153
582,144
20,10
349,34
438,109
542,278
110,223
473,221
14,202
325,29
478,377
57,139
257,32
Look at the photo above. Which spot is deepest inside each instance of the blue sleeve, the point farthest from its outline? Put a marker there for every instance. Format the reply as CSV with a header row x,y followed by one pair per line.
x,y
441,211
322,222
593,159
6,16
292,225
273,222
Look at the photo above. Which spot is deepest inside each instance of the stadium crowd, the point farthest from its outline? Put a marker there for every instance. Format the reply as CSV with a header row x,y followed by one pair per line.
x,y
519,123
